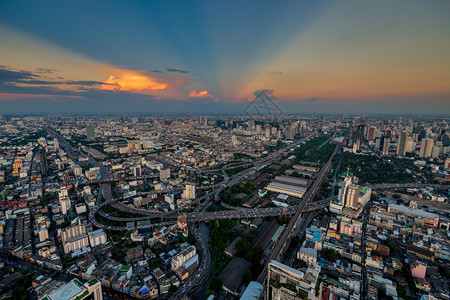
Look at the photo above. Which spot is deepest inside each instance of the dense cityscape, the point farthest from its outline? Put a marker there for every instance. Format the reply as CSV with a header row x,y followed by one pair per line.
x,y
216,206
225,150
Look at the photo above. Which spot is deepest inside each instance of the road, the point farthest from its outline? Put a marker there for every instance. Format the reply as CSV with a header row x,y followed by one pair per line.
x,y
279,247
200,233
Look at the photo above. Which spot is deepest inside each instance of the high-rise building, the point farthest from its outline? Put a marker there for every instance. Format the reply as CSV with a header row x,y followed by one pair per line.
x,y
372,133
43,160
358,136
377,143
64,200
426,147
401,145
189,192
386,145
90,132
291,133
437,149
137,171
267,132
352,196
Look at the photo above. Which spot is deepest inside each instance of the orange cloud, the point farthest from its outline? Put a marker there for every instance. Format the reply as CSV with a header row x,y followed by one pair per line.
x,y
202,94
131,81
194,94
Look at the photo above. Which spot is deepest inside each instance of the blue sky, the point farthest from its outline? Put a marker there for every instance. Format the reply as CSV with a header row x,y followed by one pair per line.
x,y
210,56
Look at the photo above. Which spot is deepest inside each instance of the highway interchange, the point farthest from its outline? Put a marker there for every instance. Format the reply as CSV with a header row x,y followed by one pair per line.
x,y
196,219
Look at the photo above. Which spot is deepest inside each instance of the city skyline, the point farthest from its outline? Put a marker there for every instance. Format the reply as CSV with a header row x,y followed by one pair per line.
x,y
203,57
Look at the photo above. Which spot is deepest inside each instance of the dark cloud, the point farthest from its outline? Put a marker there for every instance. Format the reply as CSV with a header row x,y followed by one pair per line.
x,y
48,71
69,82
158,71
177,70
13,81
276,73
8,75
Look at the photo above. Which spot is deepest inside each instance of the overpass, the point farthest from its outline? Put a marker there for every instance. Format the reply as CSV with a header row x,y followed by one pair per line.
x,y
294,223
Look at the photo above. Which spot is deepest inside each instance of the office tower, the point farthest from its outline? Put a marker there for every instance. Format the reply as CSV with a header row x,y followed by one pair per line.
x,y
291,133
372,133
352,196
90,132
437,149
343,190
43,160
401,145
386,145
415,137
189,192
206,121
64,200
358,136
258,127
410,145
426,147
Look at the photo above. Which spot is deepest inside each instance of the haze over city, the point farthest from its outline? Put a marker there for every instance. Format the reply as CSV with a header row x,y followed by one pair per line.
x,y
210,57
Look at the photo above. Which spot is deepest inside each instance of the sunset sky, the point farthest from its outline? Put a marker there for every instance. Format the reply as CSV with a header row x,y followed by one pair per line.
x,y
335,56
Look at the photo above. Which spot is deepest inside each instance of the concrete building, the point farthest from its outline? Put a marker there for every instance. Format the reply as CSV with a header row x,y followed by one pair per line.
x,y
179,259
64,200
426,147
189,192
97,237
284,282
386,145
75,290
74,238
43,234
402,143
164,174
307,254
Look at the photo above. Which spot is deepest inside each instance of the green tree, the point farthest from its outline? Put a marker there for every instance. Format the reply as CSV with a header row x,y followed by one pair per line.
x,y
216,285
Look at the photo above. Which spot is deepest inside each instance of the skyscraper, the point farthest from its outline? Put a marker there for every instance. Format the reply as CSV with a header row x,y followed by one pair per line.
x,y
426,147
386,145
352,196
90,132
189,192
372,133
358,136
401,146
64,200
43,160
